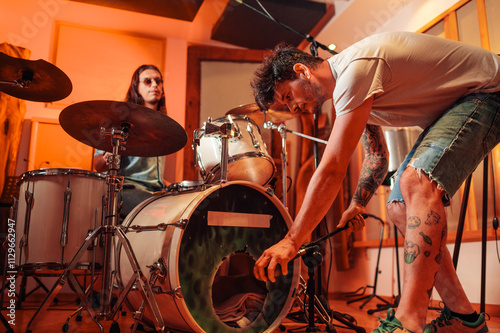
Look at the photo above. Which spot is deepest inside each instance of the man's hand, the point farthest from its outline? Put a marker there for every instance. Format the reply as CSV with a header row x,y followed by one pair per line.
x,y
353,214
280,253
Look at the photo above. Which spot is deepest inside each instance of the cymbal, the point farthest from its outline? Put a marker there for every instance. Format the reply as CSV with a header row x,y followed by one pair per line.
x,y
255,113
33,80
151,132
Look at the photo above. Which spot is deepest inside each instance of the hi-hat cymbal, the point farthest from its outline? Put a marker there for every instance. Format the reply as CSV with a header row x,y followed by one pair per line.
x,y
151,133
256,114
33,80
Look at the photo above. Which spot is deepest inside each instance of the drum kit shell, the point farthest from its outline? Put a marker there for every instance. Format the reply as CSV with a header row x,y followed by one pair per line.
x,y
182,236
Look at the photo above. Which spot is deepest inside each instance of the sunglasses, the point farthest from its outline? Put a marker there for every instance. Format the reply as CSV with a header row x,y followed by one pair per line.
x,y
148,81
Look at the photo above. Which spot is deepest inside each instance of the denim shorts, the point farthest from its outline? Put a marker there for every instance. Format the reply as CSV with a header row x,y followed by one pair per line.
x,y
450,149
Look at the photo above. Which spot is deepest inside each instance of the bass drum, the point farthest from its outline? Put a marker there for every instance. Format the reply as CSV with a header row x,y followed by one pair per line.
x,y
204,243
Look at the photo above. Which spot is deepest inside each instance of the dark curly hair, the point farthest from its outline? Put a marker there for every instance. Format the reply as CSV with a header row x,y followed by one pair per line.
x,y
277,68
133,95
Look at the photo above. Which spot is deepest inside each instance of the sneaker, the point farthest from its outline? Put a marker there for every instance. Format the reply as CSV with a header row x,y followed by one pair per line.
x,y
391,324
447,323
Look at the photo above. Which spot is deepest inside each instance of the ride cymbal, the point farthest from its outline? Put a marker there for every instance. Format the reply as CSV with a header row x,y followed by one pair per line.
x,y
150,133
33,80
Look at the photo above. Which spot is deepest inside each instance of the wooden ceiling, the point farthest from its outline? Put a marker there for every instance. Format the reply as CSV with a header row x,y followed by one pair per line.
x,y
241,23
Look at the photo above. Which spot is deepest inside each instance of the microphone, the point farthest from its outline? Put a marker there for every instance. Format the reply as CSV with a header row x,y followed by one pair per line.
x,y
311,245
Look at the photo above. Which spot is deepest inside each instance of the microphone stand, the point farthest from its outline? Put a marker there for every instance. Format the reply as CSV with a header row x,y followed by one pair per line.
x,y
309,250
283,130
312,258
314,44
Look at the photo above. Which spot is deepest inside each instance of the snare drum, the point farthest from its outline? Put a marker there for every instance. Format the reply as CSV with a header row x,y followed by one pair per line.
x,y
248,157
204,244
57,209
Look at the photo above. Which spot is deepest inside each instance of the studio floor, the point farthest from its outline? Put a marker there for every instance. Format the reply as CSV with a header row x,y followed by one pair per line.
x,y
56,315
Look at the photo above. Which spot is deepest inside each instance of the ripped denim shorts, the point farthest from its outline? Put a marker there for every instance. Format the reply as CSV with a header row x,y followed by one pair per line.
x,y
452,147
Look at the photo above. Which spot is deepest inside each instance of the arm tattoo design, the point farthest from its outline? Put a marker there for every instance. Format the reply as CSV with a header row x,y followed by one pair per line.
x,y
375,164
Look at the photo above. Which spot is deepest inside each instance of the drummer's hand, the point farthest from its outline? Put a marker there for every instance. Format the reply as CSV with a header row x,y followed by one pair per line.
x,y
280,253
106,156
353,214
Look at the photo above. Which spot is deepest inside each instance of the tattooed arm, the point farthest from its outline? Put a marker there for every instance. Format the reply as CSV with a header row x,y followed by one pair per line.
x,y
373,172
375,164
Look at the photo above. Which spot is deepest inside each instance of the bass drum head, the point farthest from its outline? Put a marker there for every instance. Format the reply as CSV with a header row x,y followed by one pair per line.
x,y
209,260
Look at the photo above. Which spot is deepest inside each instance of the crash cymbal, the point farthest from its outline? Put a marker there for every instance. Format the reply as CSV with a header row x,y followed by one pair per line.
x,y
151,133
256,114
33,80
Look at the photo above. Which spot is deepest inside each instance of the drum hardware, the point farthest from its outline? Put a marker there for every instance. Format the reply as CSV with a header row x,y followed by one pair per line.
x,y
186,185
33,80
224,131
246,158
367,298
158,270
312,258
28,197
197,135
108,230
284,155
67,202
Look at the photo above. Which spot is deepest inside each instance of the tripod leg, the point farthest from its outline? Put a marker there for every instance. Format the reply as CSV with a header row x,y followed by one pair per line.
x,y
140,279
63,278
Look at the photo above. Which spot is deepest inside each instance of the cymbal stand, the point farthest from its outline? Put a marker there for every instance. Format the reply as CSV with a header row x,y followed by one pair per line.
x,y
284,155
108,230
23,82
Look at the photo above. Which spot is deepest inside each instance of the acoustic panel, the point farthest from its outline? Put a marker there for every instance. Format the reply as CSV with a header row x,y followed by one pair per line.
x,y
181,10
245,25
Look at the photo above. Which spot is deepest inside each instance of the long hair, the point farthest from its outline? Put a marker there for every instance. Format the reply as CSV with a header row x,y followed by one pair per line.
x,y
133,95
277,68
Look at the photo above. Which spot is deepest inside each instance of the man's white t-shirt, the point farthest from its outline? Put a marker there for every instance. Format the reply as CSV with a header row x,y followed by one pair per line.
x,y
414,77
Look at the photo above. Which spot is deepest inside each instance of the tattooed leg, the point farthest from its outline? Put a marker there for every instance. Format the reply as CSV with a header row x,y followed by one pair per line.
x,y
423,247
446,281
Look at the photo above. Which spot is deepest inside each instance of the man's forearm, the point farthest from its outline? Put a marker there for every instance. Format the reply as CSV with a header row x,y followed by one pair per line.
x,y
375,165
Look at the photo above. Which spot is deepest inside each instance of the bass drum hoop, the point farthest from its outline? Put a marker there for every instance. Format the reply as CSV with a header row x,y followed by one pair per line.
x,y
177,293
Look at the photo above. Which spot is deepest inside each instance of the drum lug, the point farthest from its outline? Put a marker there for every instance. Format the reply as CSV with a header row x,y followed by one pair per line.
x,y
252,136
270,191
67,203
28,196
158,270
181,223
175,293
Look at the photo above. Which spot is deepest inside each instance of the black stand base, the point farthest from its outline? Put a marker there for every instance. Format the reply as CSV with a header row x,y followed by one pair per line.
x,y
312,258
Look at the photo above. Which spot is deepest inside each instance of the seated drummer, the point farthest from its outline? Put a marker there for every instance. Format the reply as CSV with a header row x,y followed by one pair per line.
x,y
143,176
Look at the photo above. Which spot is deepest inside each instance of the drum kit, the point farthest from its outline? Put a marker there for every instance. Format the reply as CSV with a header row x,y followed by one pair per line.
x,y
191,238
